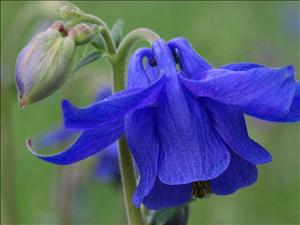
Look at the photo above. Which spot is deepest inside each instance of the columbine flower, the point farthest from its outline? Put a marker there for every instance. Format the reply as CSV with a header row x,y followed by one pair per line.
x,y
42,66
184,122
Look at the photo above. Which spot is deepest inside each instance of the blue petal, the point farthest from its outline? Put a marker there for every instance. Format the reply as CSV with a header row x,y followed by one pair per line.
x,y
103,93
240,173
137,76
258,91
192,64
230,124
89,143
152,71
190,149
112,108
164,58
57,137
144,144
167,196
293,115
242,66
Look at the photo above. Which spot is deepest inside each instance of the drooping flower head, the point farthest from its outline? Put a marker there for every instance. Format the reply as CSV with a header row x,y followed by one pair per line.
x,y
184,122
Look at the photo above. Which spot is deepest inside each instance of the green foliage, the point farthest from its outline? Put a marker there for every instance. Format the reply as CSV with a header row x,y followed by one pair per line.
x,y
117,31
170,216
89,58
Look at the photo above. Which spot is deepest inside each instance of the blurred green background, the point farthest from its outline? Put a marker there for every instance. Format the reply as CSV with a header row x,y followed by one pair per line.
x,y
222,32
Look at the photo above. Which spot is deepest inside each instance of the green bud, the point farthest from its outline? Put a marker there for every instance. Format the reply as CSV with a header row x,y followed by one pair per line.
x,y
42,66
98,42
84,33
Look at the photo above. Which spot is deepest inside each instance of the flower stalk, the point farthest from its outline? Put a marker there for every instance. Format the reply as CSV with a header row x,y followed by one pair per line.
x,y
134,214
124,51
118,59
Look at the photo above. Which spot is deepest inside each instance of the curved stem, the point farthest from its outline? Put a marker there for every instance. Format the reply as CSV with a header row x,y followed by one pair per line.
x,y
88,18
134,215
135,35
124,51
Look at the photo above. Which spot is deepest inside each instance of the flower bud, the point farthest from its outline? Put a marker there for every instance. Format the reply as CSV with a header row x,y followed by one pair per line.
x,y
98,42
84,33
42,66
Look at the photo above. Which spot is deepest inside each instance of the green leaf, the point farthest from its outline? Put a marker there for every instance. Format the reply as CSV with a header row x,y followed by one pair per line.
x,y
117,31
161,217
170,216
91,57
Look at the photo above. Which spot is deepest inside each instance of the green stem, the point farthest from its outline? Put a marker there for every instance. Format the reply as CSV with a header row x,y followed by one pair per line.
x,y
124,51
134,215
131,38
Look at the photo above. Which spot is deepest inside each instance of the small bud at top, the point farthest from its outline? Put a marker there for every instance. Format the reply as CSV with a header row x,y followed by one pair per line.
x,y
69,11
43,64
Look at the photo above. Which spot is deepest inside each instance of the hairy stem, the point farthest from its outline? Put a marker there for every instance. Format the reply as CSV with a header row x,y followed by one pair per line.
x,y
119,60
124,51
132,37
134,215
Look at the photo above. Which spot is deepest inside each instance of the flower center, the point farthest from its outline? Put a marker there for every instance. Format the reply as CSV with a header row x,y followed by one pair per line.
x,y
153,61
201,189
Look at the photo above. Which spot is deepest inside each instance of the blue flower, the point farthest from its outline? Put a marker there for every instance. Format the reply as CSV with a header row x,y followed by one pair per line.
x,y
184,122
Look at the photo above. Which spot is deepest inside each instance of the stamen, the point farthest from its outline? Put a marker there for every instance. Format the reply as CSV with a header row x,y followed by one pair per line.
x,y
152,62
201,189
175,57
